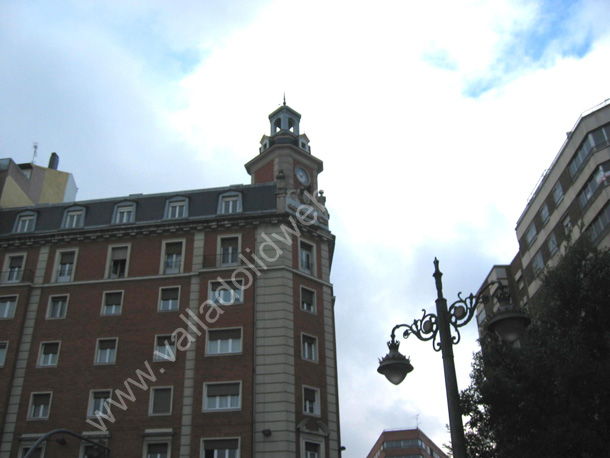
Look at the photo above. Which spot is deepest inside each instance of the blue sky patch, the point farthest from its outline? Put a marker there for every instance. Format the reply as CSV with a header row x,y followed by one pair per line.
x,y
555,34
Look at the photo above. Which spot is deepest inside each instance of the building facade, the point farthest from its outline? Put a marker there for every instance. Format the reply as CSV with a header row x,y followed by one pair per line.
x,y
571,200
189,324
30,184
405,443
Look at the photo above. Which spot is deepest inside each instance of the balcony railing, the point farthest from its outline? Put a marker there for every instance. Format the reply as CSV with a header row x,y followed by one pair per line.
x,y
11,276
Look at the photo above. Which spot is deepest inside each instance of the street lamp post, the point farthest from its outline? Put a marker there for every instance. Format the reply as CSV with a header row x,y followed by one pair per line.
x,y
438,328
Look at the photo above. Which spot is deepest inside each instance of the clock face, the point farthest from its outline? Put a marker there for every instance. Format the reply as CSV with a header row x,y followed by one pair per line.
x,y
302,175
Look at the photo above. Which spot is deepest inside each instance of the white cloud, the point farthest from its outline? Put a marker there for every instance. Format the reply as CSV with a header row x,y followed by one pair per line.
x,y
156,96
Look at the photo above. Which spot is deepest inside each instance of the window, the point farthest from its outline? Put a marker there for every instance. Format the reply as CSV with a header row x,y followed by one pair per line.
x,y
106,351
308,300
312,450
172,262
601,136
49,354
229,251
309,346
176,208
544,214
168,299
157,450
596,139
557,194
14,269
221,448
306,257
223,293
567,225
57,308
311,401
40,406
7,307
65,266
600,223
222,396
98,402
229,203
552,244
596,180
91,451
3,349
481,316
124,213
160,401
405,443
112,303
74,218
223,341
538,263
117,266
25,222
530,235
38,453
165,349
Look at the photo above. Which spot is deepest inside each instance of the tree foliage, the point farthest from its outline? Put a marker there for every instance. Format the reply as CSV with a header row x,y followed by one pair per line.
x,y
550,396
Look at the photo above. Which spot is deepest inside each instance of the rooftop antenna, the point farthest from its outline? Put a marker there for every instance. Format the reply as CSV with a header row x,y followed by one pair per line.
x,y
417,421
35,146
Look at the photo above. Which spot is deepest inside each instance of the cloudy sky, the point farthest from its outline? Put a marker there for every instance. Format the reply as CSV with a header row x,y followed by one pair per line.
x,y
434,120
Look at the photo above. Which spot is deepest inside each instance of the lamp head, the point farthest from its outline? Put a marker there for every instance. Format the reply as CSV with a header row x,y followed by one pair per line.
x,y
509,325
395,366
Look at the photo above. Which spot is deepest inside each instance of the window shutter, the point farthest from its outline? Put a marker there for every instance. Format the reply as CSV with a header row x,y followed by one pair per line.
x,y
50,348
221,444
169,294
119,253
173,248
225,334
224,389
113,298
67,258
310,395
162,400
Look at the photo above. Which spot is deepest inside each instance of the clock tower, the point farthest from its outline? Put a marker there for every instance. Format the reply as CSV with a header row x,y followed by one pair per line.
x,y
285,155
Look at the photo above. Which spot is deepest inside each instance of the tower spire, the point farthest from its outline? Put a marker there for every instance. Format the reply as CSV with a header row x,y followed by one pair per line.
x,y
284,98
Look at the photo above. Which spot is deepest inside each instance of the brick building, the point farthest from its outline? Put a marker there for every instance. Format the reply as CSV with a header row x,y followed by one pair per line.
x,y
405,443
571,199
189,324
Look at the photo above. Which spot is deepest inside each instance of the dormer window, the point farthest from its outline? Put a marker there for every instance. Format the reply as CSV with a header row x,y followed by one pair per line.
x,y
176,207
74,217
124,213
26,222
229,202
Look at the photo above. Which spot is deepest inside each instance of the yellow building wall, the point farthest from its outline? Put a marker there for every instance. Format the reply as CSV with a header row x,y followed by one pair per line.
x,y
13,196
53,187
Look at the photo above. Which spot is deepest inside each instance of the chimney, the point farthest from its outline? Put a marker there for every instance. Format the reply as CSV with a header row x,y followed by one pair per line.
x,y
54,161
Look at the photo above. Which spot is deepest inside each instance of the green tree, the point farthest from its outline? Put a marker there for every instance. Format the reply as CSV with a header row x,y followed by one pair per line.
x,y
550,396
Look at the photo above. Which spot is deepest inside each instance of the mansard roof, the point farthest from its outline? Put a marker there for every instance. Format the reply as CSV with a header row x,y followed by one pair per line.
x,y
203,204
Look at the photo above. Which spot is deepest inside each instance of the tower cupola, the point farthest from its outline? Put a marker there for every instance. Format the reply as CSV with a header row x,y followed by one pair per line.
x,y
284,120
284,124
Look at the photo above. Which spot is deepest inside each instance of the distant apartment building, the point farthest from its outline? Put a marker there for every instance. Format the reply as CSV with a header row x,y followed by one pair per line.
x,y
571,200
193,324
29,184
405,443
